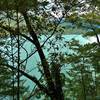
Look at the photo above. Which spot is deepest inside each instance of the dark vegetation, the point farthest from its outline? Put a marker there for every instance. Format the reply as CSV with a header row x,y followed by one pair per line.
x,y
24,21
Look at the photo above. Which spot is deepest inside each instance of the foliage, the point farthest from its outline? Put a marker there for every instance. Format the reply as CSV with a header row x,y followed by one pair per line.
x,y
26,21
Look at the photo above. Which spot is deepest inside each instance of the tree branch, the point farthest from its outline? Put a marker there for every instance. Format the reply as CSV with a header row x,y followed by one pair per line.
x,y
32,78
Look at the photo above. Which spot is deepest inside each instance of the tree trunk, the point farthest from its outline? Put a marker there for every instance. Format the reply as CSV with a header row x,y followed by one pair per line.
x,y
55,90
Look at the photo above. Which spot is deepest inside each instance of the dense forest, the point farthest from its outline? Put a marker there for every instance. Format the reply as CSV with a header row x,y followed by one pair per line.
x,y
63,68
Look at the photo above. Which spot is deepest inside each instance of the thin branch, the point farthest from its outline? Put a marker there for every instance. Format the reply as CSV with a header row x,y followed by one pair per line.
x,y
14,32
97,37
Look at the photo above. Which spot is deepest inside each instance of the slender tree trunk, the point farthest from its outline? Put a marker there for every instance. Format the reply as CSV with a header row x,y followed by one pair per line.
x,y
45,65
58,83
